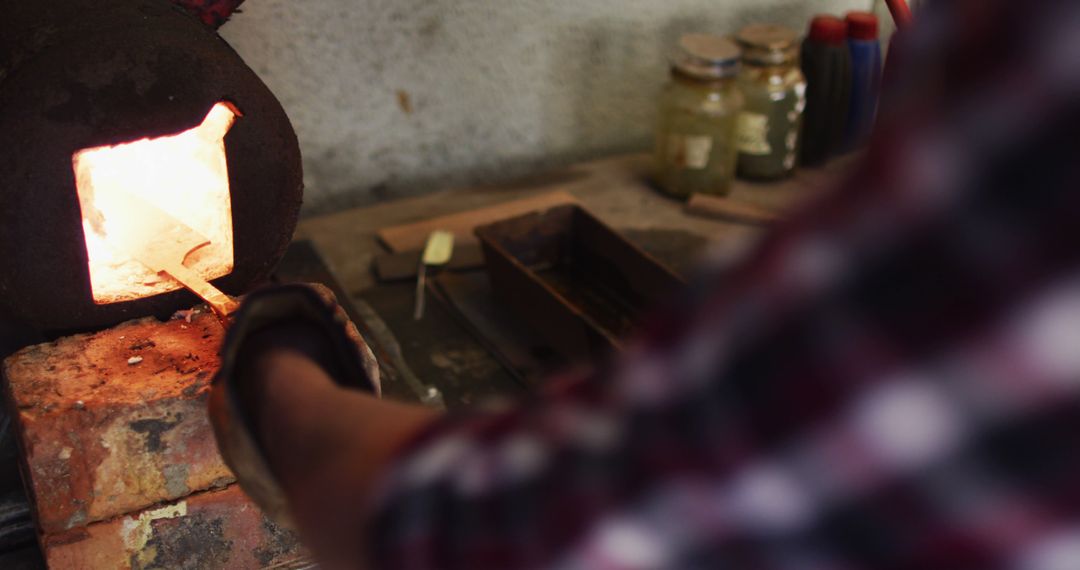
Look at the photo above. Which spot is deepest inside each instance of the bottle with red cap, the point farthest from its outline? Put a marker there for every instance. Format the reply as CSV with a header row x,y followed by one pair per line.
x,y
826,63
865,49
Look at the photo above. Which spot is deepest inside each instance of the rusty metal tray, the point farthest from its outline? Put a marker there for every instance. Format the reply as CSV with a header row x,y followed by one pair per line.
x,y
572,279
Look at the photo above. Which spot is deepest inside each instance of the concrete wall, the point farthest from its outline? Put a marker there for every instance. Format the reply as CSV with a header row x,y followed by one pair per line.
x,y
396,97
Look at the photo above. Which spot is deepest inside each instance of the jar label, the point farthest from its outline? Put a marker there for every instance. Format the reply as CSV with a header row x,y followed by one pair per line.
x,y
689,151
752,134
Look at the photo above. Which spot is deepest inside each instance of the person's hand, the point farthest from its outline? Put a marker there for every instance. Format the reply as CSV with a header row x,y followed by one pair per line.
x,y
297,417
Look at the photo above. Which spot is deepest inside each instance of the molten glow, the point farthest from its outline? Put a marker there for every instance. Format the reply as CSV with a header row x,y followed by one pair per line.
x,y
184,175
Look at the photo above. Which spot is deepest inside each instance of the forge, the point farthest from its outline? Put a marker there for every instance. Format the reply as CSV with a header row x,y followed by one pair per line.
x,y
116,116
105,101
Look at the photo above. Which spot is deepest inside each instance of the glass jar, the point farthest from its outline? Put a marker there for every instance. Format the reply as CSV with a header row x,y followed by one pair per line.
x,y
695,136
775,90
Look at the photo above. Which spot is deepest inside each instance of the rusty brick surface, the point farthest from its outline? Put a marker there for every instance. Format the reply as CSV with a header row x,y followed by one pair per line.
x,y
213,529
115,421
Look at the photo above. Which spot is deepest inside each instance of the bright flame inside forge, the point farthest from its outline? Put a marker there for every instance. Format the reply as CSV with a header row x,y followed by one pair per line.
x,y
185,175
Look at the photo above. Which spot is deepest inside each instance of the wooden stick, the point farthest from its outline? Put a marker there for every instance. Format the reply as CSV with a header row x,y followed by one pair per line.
x,y
414,236
719,207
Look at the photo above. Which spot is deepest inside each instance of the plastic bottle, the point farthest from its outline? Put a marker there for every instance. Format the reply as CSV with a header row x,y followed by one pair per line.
x,y
865,76
826,63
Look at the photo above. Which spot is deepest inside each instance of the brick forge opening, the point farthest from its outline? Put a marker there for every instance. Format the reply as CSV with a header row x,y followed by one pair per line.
x,y
184,175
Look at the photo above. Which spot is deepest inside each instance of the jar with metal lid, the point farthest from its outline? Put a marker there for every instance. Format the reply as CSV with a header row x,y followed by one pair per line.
x,y
775,91
695,136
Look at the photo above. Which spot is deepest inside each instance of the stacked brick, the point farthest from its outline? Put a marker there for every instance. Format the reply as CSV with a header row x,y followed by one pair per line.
x,y
119,457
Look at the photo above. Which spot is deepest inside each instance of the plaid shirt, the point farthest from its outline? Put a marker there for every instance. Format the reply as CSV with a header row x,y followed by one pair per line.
x,y
891,380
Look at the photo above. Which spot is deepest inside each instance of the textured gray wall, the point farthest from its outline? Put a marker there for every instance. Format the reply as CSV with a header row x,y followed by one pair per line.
x,y
396,97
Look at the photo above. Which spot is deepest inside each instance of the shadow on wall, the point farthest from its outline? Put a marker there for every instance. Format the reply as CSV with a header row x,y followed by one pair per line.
x,y
607,71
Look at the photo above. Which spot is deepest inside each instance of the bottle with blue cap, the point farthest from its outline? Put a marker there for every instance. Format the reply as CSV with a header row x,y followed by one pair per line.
x,y
865,77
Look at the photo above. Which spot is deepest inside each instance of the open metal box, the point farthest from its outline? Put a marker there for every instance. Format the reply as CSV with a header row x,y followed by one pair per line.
x,y
574,280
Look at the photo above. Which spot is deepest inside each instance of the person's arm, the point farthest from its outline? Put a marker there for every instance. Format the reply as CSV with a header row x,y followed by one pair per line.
x,y
888,382
326,445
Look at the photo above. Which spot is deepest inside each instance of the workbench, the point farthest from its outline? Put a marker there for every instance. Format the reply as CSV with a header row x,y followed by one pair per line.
x,y
439,351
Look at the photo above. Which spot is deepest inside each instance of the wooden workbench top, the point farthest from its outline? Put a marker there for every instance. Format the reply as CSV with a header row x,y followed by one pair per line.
x,y
616,189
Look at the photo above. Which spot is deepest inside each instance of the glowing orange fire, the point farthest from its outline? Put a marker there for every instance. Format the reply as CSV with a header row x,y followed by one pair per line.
x,y
184,175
